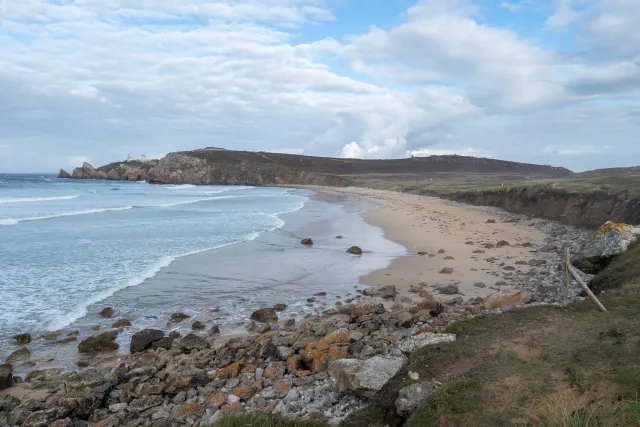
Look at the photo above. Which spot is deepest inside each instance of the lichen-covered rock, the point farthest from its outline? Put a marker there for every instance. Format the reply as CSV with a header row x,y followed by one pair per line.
x,y
410,397
143,339
609,240
411,344
364,377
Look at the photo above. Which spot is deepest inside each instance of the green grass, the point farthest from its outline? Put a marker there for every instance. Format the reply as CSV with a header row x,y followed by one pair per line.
x,y
261,420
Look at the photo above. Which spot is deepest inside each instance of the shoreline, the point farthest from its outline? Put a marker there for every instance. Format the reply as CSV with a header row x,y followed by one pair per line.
x,y
287,364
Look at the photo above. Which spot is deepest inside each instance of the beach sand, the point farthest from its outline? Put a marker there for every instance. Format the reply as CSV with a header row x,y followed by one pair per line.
x,y
447,234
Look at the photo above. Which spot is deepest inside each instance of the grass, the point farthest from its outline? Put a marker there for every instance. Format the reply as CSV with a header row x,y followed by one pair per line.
x,y
623,269
524,367
262,420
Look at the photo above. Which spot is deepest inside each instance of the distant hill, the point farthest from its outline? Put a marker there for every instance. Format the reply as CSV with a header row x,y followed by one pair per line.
x,y
220,166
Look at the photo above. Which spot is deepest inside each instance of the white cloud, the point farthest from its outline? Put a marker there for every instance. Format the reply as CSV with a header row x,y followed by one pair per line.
x,y
425,152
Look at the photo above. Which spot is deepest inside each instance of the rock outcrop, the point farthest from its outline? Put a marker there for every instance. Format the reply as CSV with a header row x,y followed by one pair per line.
x,y
64,174
143,339
410,397
6,376
99,343
364,377
610,240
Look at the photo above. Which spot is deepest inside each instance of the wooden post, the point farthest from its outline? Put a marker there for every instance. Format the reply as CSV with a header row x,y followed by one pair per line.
x,y
565,264
576,276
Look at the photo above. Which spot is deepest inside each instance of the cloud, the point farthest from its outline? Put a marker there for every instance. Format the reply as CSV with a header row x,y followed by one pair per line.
x,y
425,152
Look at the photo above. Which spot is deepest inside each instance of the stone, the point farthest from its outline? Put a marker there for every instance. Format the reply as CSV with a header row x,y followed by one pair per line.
x,y
179,317
63,174
198,326
479,285
264,315
411,344
6,376
364,377
388,292
19,355
230,371
608,241
46,418
107,312
479,251
307,242
410,397
537,262
121,323
502,243
449,257
504,301
449,290
285,352
187,413
164,342
355,250
99,343
280,307
214,330
142,340
446,270
193,342
491,221
22,339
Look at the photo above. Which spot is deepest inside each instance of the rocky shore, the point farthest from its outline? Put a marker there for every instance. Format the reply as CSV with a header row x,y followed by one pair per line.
x,y
322,366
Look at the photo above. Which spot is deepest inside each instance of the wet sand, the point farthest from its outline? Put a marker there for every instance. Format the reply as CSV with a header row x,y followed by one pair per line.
x,y
446,234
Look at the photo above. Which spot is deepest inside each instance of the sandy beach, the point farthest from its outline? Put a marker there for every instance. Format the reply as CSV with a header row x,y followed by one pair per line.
x,y
440,235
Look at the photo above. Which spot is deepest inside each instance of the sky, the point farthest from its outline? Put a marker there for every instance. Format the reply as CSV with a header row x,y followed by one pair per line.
x,y
539,81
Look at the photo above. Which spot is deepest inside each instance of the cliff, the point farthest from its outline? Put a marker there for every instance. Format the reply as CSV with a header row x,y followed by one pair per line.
x,y
218,166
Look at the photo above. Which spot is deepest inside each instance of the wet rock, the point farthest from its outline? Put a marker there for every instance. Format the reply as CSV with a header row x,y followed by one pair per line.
x,y
410,397
193,342
107,312
280,307
121,323
99,343
179,317
364,377
355,250
307,242
264,315
388,292
19,355
214,330
198,326
411,344
22,339
143,339
446,270
6,376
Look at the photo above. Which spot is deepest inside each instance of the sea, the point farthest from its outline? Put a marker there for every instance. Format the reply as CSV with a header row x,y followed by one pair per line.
x,y
69,248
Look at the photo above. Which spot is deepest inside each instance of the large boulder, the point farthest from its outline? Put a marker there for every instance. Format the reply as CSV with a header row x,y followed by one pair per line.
x,y
410,397
388,292
307,242
355,250
64,174
193,342
364,377
6,376
143,339
99,343
19,355
264,315
610,240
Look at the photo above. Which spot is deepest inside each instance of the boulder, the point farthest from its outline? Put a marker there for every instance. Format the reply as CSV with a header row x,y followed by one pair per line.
x,y
280,307
491,221
502,243
193,342
449,290
355,250
264,315
143,339
107,312
6,376
179,317
64,174
307,242
22,339
388,292
364,377
446,270
198,326
164,342
610,240
410,397
411,344
19,355
99,343
121,323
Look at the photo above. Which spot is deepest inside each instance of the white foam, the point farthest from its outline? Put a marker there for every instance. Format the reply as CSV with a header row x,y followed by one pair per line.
x,y
180,187
13,221
35,199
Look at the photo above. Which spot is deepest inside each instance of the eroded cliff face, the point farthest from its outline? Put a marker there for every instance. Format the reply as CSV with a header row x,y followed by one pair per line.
x,y
589,210
183,168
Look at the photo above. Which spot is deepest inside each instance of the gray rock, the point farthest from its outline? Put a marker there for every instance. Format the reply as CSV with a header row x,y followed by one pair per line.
x,y
19,355
449,290
6,376
143,339
99,343
609,240
364,377
193,342
285,352
410,397
411,344
388,292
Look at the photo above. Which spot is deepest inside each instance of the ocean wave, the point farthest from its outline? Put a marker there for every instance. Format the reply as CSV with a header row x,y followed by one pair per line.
x,y
180,187
35,199
14,221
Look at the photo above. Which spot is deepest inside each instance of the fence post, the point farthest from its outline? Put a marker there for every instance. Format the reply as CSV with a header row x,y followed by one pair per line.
x,y
565,264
